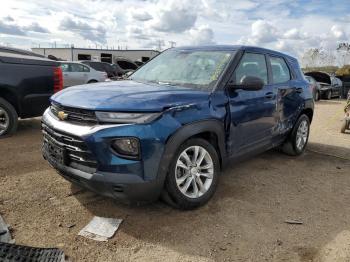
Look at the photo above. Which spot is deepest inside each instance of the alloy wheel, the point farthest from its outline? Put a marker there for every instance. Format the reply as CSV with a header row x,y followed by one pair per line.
x,y
194,171
4,121
302,135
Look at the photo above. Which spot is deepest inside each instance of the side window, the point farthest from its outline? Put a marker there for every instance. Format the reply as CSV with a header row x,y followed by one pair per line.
x,y
77,68
65,67
131,65
86,69
280,70
251,65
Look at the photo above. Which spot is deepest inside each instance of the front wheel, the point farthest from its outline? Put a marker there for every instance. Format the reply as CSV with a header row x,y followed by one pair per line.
x,y
193,174
297,140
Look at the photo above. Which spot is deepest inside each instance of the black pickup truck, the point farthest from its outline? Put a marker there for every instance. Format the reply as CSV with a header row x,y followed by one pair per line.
x,y
27,81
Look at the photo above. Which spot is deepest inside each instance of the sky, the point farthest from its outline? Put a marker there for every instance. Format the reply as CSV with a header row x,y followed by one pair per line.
x,y
285,25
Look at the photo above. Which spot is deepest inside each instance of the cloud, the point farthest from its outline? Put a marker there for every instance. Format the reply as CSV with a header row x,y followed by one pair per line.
x,y
263,32
9,19
289,26
295,34
175,17
202,36
338,32
88,32
35,27
11,29
138,32
140,15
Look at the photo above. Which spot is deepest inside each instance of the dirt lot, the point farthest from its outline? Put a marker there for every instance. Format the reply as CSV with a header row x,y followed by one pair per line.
x,y
244,222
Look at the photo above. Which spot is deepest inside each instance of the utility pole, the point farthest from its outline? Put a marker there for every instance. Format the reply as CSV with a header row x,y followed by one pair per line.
x,y
172,44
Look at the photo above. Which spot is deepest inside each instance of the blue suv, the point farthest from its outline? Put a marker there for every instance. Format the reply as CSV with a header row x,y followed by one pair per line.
x,y
172,126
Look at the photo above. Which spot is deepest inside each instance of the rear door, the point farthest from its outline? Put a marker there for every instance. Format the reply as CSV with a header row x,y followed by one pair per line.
x,y
289,94
253,113
78,74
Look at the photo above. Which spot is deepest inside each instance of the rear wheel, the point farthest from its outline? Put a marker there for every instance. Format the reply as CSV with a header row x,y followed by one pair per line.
x,y
193,175
329,95
317,96
343,126
8,118
297,140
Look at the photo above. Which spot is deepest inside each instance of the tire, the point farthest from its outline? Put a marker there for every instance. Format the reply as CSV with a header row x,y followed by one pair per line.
x,y
344,126
92,81
8,119
329,95
291,146
317,96
186,171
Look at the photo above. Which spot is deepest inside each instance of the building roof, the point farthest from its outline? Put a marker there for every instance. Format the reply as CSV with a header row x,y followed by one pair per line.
x,y
95,49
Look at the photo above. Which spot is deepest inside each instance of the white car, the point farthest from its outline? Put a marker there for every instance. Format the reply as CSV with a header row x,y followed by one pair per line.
x,y
75,73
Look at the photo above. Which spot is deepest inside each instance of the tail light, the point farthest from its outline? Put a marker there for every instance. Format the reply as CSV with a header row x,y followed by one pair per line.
x,y
57,79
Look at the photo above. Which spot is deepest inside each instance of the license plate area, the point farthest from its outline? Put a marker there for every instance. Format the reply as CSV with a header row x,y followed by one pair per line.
x,y
56,153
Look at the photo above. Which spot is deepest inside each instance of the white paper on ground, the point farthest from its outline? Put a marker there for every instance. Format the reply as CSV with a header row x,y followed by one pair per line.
x,y
101,228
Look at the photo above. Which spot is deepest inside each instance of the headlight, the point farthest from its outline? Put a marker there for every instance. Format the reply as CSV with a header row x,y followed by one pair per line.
x,y
128,147
138,118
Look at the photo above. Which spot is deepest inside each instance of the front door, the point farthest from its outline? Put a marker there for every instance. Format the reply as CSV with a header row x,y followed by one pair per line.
x,y
253,113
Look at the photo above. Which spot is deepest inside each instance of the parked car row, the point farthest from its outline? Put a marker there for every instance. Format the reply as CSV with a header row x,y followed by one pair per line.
x,y
77,74
323,85
27,81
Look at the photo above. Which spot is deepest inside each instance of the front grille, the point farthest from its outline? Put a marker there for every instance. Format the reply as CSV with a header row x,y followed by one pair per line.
x,y
77,154
75,114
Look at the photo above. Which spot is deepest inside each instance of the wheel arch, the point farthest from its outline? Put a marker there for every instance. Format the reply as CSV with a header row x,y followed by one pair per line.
x,y
308,112
11,98
210,130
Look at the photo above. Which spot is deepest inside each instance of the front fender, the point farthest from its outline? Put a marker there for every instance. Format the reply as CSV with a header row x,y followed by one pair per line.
x,y
184,133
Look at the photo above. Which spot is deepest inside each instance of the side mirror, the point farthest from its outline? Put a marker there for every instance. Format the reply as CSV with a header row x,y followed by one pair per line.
x,y
249,83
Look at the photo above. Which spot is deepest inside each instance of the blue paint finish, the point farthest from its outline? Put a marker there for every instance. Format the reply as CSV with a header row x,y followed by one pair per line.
x,y
251,120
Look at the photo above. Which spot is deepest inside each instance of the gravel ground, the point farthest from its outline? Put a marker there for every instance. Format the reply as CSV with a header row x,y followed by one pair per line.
x,y
245,221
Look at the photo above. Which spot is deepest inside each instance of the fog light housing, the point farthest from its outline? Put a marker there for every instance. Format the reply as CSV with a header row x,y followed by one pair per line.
x,y
127,147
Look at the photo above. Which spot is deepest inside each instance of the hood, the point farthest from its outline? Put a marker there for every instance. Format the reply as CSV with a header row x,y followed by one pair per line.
x,y
128,96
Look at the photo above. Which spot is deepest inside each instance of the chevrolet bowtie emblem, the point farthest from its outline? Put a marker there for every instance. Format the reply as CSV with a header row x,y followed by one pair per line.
x,y
62,115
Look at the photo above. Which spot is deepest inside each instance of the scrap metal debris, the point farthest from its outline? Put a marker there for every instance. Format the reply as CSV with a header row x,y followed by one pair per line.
x,y
12,252
294,222
101,228
5,235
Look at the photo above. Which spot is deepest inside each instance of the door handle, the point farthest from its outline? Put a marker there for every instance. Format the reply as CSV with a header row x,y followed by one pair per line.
x,y
299,90
269,95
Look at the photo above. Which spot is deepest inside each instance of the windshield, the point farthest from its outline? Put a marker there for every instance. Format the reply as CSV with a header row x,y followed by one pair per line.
x,y
188,68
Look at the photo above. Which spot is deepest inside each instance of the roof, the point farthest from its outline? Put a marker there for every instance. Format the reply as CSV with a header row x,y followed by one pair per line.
x,y
233,48
11,50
